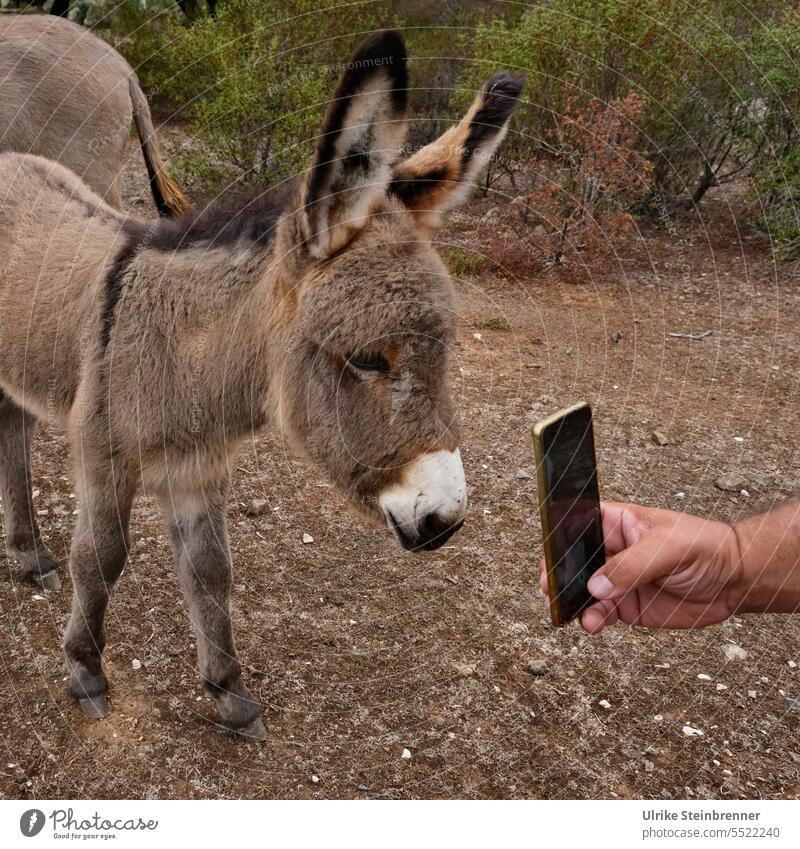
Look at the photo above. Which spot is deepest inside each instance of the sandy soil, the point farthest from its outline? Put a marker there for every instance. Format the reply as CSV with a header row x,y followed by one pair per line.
x,y
359,651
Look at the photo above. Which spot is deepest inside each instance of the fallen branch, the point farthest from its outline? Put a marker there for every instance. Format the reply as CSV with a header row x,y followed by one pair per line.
x,y
691,335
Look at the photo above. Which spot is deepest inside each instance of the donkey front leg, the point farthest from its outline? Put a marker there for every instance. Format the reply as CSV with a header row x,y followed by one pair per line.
x,y
203,561
98,553
23,540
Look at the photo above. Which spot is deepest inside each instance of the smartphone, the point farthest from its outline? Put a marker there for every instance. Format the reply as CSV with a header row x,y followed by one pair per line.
x,y
569,503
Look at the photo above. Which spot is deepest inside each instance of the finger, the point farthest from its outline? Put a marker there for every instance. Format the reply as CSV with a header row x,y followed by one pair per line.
x,y
624,525
653,557
599,616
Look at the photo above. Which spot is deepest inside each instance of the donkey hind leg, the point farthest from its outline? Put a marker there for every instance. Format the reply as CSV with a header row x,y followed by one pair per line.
x,y
203,562
23,540
97,557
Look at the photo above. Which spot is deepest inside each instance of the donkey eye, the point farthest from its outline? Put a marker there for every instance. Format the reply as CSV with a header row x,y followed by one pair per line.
x,y
368,362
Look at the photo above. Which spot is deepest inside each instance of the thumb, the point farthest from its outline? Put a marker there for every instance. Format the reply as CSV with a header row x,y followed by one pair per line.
x,y
652,557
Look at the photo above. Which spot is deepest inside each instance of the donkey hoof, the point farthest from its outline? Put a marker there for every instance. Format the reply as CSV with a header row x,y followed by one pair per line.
x,y
95,707
254,731
49,581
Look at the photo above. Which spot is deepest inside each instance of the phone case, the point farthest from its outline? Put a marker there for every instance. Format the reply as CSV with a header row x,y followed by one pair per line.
x,y
544,507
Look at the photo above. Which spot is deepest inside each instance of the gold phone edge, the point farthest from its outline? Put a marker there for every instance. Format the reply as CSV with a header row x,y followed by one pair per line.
x,y
544,514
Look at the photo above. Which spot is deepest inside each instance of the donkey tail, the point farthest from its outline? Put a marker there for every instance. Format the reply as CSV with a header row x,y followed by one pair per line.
x,y
168,197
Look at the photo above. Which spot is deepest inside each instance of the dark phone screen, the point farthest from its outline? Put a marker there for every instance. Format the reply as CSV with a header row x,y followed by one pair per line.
x,y
576,531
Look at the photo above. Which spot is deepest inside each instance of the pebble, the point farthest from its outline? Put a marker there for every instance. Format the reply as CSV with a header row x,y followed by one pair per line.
x,y
730,482
734,652
752,693
659,438
536,667
792,704
523,475
703,677
604,703
744,493
37,597
406,754
658,717
307,539
616,336
688,731
136,663
791,664
315,779
721,687
465,669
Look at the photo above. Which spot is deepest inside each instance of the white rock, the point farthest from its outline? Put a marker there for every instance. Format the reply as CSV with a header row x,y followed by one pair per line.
x,y
37,597
744,493
307,539
658,717
315,779
734,652
136,663
721,687
752,693
791,664
604,703
703,677
406,754
692,732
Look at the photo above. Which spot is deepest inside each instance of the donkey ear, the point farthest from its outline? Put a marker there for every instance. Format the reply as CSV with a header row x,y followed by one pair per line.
x,y
439,176
361,137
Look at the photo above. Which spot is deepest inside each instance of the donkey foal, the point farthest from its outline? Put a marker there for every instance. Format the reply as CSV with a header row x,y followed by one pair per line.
x,y
161,346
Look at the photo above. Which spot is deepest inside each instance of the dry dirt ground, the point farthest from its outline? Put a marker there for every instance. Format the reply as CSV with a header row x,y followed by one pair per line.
x,y
359,651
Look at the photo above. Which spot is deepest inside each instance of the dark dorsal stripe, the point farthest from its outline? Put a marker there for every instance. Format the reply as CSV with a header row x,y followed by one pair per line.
x,y
246,220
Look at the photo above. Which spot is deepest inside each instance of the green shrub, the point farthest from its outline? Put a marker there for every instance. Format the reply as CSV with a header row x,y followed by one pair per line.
x,y
253,84
698,65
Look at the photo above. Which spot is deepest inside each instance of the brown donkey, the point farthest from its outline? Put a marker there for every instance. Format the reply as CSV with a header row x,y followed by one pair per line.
x,y
67,95
160,347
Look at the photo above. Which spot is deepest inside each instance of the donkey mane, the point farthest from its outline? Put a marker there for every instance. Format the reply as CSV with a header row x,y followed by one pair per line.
x,y
248,217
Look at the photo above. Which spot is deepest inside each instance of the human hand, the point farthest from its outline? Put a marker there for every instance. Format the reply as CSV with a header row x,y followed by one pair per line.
x,y
663,570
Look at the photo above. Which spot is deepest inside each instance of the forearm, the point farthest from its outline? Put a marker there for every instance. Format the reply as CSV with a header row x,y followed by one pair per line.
x,y
769,561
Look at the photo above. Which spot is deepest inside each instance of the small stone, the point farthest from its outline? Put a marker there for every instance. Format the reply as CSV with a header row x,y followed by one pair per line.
x,y
257,507
492,216
703,677
406,756
616,336
523,475
744,493
307,539
721,687
688,731
659,438
465,670
734,652
680,495
730,482
604,703
791,664
658,717
136,663
37,597
315,779
753,694
649,766
536,666
792,704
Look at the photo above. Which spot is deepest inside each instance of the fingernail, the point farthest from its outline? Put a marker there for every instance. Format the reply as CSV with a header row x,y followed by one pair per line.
x,y
600,587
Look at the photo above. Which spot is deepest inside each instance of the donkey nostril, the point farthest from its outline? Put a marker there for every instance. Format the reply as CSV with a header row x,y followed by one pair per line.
x,y
434,532
432,526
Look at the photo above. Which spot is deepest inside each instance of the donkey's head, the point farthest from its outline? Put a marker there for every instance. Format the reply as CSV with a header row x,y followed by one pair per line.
x,y
369,307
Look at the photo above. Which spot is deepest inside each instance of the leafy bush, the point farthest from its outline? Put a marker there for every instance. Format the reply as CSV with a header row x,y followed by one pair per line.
x,y
253,83
693,63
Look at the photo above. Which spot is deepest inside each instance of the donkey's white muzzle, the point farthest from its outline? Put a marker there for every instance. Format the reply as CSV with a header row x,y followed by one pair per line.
x,y
429,503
